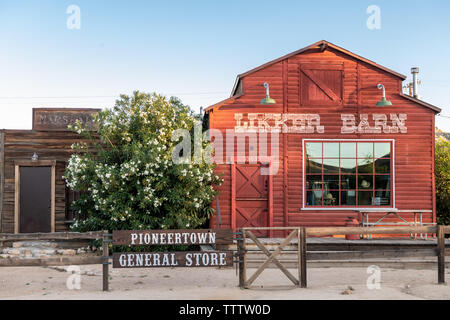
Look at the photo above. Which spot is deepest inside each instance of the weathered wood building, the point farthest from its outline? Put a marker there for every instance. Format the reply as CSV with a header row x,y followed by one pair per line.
x,y
33,195
341,150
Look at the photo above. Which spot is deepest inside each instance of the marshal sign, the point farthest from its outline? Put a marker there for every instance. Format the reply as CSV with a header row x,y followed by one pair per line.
x,y
172,259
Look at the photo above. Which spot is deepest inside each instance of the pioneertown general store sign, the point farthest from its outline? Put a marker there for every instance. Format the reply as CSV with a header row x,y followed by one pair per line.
x,y
172,259
310,123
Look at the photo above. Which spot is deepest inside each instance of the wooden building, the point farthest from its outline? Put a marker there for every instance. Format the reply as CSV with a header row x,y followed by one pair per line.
x,y
33,195
339,153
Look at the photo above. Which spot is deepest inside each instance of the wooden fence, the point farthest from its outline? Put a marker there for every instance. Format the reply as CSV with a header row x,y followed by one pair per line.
x,y
61,261
300,234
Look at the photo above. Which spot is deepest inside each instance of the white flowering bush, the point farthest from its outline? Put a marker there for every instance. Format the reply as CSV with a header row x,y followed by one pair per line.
x,y
125,173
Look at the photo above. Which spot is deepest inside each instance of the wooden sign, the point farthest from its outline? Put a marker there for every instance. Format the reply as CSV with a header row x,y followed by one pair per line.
x,y
310,123
172,259
57,119
172,237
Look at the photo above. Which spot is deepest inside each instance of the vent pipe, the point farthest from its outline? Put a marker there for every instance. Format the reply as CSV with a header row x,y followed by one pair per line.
x,y
415,82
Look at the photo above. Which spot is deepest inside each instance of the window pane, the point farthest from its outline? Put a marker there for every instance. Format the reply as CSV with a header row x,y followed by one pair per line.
x,y
331,150
365,198
348,173
382,198
331,165
365,150
348,182
348,165
365,165
383,182
383,166
331,182
314,166
348,150
314,182
314,198
331,198
365,182
314,149
382,150
348,198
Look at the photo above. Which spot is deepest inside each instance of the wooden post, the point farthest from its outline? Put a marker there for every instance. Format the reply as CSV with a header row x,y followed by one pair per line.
x,y
441,254
105,261
241,255
302,257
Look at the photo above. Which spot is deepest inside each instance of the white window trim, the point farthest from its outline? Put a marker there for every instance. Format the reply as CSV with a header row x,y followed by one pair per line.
x,y
374,208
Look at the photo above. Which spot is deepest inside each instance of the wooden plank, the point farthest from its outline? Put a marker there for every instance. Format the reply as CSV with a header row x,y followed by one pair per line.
x,y
173,259
105,270
326,231
369,230
241,255
441,254
52,261
394,264
37,163
172,237
303,257
16,198
347,255
50,236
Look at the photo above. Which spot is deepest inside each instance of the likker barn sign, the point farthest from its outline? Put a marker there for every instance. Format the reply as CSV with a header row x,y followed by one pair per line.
x,y
310,123
172,259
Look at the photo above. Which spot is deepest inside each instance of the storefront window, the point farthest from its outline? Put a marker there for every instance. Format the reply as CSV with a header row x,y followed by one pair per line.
x,y
348,174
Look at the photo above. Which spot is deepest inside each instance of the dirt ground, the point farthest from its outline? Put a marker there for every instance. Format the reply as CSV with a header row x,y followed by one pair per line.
x,y
207,283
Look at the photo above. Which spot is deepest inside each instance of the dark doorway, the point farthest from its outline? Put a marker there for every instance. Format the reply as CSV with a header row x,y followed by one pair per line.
x,y
35,199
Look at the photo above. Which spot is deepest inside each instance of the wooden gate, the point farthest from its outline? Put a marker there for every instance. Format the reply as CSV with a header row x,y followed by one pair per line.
x,y
250,198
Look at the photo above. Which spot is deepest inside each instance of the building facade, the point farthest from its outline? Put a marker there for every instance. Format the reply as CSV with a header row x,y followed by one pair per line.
x,y
333,147
33,194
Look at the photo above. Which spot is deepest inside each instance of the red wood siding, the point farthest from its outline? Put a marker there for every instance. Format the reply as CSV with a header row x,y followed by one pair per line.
x,y
414,188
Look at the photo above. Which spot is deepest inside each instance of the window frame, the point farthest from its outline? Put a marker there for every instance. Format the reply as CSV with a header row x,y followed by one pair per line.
x,y
340,207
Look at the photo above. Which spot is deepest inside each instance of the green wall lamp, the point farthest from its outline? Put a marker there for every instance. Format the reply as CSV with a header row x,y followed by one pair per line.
x,y
383,102
267,99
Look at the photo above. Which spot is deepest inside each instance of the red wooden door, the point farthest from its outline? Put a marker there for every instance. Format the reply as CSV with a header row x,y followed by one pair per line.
x,y
251,198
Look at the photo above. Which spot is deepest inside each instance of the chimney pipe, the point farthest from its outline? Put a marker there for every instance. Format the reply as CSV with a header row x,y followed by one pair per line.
x,y
414,72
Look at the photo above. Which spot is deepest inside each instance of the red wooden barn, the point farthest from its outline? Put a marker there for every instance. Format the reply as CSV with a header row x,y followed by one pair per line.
x,y
333,152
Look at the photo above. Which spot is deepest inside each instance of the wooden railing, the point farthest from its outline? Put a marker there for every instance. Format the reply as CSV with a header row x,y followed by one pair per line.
x,y
299,235
61,261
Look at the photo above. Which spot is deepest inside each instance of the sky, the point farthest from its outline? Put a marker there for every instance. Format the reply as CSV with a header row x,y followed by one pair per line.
x,y
194,49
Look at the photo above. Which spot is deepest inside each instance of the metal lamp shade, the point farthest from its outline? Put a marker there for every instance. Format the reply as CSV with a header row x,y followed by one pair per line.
x,y
383,103
268,100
